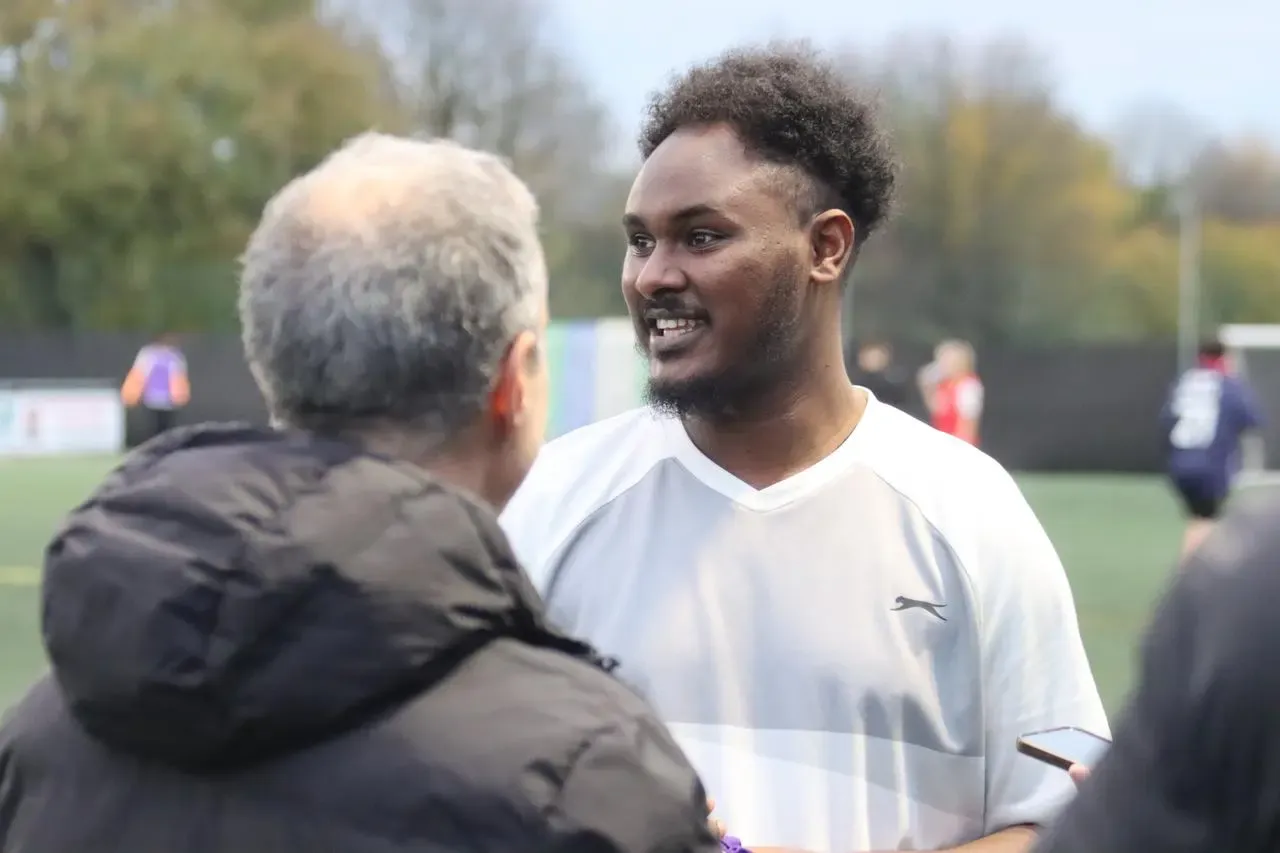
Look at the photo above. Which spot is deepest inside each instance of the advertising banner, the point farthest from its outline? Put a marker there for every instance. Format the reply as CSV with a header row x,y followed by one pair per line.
x,y
60,420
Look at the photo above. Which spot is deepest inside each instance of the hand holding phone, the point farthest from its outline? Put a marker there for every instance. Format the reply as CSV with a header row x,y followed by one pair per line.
x,y
1064,747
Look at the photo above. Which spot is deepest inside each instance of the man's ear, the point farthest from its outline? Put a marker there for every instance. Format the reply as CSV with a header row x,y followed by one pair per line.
x,y
831,236
508,400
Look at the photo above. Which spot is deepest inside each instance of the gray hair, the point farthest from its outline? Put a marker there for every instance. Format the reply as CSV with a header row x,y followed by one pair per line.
x,y
382,288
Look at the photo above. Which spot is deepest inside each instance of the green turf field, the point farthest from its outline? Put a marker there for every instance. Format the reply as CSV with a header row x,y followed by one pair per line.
x,y
1118,536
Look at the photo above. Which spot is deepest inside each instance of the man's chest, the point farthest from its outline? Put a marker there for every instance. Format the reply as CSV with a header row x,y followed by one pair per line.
x,y
808,620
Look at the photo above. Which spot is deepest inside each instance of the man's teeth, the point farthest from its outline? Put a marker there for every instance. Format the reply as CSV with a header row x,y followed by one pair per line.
x,y
679,326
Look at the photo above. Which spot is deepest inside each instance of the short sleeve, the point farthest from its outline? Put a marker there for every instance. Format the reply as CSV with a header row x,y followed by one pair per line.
x,y
143,360
1036,673
1195,766
631,790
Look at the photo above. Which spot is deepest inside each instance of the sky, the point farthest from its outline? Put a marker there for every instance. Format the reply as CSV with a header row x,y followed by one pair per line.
x,y
1217,61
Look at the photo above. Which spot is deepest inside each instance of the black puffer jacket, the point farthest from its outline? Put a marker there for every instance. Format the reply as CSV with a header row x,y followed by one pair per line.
x,y
267,643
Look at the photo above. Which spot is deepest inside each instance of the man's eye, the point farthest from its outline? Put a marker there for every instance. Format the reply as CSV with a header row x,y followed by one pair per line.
x,y
701,239
640,243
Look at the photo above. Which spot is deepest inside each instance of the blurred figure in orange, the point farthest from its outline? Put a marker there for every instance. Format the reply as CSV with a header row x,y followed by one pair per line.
x,y
158,382
952,391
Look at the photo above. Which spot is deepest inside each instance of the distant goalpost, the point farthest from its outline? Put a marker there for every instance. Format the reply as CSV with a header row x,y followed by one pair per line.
x,y
1255,350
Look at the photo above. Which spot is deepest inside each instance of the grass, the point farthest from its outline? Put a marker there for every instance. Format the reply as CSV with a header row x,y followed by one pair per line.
x,y
1118,536
34,494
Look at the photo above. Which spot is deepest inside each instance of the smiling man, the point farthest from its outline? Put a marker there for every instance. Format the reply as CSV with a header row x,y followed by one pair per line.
x,y
846,617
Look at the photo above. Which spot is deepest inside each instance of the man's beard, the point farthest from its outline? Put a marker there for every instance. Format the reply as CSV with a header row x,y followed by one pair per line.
x,y
768,362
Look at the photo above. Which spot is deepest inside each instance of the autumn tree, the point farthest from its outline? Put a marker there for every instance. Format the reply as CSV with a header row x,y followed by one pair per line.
x,y
1156,142
489,74
141,140
1006,208
1235,185
1238,181
585,256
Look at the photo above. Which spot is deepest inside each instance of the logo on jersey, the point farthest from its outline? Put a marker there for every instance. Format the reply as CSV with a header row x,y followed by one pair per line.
x,y
905,603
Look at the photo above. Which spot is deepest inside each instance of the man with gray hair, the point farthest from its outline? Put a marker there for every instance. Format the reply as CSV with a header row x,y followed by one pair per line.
x,y
315,637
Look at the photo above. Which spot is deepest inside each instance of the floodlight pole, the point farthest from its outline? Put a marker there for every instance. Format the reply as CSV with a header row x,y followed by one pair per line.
x,y
1188,278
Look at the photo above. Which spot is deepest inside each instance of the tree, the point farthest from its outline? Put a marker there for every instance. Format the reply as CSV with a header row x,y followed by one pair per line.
x,y
1006,207
489,74
141,141
1137,296
1238,181
1241,272
585,259
1157,143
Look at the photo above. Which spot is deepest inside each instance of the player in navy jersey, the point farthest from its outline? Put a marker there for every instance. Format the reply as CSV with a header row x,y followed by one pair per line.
x,y
1208,412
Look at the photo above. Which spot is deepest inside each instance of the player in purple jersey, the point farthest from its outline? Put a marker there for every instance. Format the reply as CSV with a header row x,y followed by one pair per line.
x,y
158,382
1208,412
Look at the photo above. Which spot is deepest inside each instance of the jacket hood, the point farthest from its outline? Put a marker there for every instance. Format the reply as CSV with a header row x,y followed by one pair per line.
x,y
231,594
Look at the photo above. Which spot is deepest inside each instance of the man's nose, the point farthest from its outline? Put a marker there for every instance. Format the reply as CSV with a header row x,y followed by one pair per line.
x,y
659,273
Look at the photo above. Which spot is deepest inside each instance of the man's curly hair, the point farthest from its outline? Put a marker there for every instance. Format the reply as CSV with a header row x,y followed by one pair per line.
x,y
793,108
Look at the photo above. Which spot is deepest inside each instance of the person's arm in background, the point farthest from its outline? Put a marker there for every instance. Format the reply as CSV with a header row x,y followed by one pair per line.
x,y
179,383
927,383
969,402
136,379
1195,765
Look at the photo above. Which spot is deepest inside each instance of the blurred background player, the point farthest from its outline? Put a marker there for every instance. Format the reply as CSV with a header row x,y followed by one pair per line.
x,y
876,371
158,382
953,393
1208,413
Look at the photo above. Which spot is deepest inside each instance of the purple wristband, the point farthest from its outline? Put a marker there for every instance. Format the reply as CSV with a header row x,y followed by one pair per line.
x,y
732,844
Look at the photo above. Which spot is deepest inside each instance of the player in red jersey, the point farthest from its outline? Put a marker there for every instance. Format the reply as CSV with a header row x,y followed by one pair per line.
x,y
952,390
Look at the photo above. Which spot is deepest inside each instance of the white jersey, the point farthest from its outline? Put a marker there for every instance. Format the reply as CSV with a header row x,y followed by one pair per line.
x,y
847,656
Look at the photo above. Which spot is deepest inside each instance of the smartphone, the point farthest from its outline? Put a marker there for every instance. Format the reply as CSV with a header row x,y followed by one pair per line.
x,y
1064,747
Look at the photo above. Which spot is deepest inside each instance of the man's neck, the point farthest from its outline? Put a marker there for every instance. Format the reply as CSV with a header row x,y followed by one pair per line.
x,y
784,435
457,463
